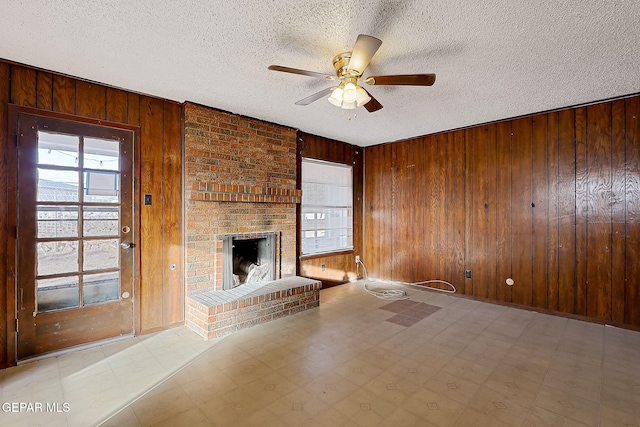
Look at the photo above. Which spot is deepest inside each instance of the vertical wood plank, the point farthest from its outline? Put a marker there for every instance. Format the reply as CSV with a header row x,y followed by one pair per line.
x,y
618,207
567,211
540,199
492,226
388,203
503,210
459,204
521,237
44,99
442,146
582,208
599,213
385,213
377,212
469,204
384,207
116,105
172,214
552,212
448,207
369,249
64,94
5,304
632,187
409,194
133,109
480,209
90,100
151,274
421,151
400,224
23,86
430,234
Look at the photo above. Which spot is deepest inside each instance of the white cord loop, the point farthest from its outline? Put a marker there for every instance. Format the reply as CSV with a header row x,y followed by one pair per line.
x,y
396,294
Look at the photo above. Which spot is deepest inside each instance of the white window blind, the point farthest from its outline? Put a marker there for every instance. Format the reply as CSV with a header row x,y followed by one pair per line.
x,y
327,207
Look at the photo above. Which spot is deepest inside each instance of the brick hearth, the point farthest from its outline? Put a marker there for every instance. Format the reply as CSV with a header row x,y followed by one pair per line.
x,y
215,314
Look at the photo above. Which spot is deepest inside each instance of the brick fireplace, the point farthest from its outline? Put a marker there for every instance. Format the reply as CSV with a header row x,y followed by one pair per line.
x,y
240,181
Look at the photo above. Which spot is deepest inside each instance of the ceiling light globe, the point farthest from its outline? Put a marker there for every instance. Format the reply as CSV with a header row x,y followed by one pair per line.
x,y
349,105
336,97
350,93
363,97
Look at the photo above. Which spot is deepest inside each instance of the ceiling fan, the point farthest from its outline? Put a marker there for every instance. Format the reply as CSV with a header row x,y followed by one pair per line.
x,y
349,66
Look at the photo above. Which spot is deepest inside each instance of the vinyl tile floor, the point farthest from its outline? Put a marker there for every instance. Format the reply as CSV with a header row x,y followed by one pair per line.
x,y
432,360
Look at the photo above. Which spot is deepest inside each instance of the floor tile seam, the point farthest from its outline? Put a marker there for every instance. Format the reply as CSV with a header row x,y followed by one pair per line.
x,y
114,375
149,388
163,419
553,390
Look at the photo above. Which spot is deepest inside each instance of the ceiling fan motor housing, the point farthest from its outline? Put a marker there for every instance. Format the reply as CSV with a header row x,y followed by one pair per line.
x,y
341,64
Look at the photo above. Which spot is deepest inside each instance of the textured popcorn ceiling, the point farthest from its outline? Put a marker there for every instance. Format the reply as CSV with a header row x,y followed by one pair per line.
x,y
494,59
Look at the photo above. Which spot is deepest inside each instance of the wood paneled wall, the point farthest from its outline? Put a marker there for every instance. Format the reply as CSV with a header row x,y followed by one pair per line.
x,y
338,268
414,208
158,172
551,201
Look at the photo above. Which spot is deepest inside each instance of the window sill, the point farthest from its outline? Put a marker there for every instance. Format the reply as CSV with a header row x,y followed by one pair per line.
x,y
327,254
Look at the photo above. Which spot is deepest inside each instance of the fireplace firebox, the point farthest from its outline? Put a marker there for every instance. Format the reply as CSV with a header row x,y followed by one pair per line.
x,y
248,259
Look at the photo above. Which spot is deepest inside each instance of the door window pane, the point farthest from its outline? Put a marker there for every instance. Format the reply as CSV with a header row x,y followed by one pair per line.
x,y
101,221
57,221
101,154
101,187
57,257
57,149
61,292
101,287
101,254
57,186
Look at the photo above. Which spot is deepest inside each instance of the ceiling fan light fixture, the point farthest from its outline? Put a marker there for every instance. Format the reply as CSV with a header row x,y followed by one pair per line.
x,y
336,97
350,93
349,105
363,97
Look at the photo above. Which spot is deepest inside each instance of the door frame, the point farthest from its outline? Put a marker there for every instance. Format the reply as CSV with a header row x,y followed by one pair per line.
x,y
11,163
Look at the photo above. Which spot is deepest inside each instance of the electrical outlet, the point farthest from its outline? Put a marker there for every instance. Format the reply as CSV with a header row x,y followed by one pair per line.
x,y
467,274
357,258
323,267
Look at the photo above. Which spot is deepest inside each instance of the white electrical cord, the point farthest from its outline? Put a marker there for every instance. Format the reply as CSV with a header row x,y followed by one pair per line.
x,y
396,294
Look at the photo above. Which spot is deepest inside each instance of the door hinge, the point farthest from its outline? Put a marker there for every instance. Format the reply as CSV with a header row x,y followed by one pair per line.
x,y
17,325
17,139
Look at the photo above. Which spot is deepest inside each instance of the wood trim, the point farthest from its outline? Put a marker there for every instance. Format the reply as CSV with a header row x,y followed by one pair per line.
x,y
73,118
327,254
7,222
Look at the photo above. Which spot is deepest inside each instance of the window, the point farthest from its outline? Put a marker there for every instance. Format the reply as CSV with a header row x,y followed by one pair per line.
x,y
327,207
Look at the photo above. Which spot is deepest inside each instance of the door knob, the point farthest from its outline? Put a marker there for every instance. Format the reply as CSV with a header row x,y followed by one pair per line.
x,y
126,245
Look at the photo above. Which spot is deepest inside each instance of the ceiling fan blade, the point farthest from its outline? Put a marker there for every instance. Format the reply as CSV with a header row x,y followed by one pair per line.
x,y
309,99
403,79
373,105
301,72
363,51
